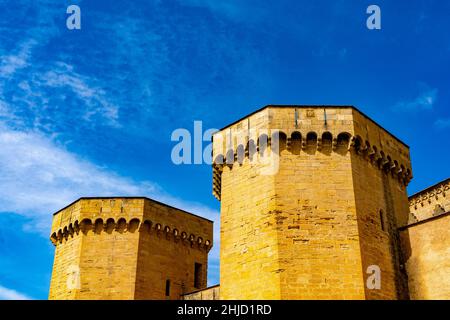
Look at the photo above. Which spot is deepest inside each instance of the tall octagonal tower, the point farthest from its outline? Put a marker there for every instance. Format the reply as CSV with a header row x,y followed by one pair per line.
x,y
311,199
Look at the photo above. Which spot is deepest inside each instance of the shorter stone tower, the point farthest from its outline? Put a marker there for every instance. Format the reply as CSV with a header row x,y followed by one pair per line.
x,y
128,248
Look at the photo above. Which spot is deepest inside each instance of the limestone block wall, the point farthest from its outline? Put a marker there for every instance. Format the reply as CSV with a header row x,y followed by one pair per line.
x,y
249,264
317,230
381,203
65,266
426,245
171,253
127,248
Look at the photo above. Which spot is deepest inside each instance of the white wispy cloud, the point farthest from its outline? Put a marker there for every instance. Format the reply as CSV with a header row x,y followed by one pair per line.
x,y
10,294
33,93
38,177
95,98
126,70
50,91
424,101
442,123
9,64
38,88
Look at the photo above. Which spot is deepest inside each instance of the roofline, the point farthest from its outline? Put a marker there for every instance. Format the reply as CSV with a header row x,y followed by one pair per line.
x,y
424,220
141,198
427,189
315,107
199,290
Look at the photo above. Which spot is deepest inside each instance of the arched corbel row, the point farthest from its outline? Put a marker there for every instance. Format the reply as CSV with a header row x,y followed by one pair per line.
x,y
297,142
97,226
428,197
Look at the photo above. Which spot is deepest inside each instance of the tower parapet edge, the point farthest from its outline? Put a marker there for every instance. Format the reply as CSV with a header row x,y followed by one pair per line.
x,y
430,202
338,129
121,215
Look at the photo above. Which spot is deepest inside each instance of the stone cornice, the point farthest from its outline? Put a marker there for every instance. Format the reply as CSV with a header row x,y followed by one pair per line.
x,y
122,225
342,142
435,192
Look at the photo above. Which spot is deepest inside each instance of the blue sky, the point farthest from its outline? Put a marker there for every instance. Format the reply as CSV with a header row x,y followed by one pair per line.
x,y
90,112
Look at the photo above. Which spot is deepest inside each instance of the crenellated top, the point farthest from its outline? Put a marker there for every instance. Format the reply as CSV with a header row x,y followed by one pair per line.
x,y
308,130
99,225
94,216
435,192
430,202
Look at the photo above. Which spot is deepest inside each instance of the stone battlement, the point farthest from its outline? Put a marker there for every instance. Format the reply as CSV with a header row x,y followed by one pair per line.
x,y
97,215
308,130
109,226
430,202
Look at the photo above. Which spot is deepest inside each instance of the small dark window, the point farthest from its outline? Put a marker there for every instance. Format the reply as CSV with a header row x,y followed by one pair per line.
x,y
327,139
198,276
311,139
382,220
167,288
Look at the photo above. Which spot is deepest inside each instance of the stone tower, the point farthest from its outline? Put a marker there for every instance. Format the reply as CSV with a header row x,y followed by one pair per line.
x,y
311,198
128,248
